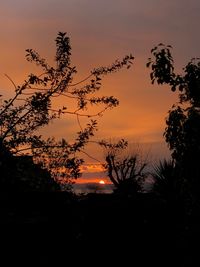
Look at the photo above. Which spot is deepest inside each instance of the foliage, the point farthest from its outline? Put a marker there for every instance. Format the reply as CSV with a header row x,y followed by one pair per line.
x,y
20,174
32,107
166,181
126,172
183,123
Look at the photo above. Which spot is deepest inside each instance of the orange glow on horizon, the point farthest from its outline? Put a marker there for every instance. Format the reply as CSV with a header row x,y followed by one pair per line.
x,y
92,180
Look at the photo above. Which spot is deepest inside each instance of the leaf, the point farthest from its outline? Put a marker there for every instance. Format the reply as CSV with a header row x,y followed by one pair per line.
x,y
148,64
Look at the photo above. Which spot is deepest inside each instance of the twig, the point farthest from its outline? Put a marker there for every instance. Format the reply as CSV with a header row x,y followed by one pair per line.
x,y
11,80
81,81
90,156
77,117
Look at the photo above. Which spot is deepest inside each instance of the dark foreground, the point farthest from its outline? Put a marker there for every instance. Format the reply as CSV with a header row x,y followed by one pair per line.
x,y
140,230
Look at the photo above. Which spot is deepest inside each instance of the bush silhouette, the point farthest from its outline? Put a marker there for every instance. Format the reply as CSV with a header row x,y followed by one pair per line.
x,y
20,174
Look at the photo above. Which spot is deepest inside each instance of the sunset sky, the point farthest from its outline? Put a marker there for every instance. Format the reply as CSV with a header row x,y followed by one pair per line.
x,y
100,32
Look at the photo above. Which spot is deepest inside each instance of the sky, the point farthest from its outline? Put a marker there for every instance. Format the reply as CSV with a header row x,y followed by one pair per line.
x,y
100,32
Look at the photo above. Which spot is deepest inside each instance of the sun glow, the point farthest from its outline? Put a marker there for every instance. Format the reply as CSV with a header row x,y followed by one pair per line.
x,y
102,182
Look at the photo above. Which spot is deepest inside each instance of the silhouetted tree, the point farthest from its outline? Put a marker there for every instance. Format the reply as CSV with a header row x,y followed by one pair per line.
x,y
32,108
126,172
183,122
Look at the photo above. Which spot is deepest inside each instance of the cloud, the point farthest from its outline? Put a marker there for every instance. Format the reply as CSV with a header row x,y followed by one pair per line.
x,y
92,168
100,32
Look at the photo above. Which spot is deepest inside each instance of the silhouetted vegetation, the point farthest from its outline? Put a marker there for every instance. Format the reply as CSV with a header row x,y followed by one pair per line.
x,y
166,180
126,172
32,107
163,222
178,180
20,174
182,132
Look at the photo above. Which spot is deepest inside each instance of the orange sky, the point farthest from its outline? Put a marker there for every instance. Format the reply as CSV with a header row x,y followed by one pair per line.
x,y
100,32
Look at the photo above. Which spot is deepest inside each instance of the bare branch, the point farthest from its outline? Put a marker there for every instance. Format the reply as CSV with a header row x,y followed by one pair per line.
x,y
11,81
